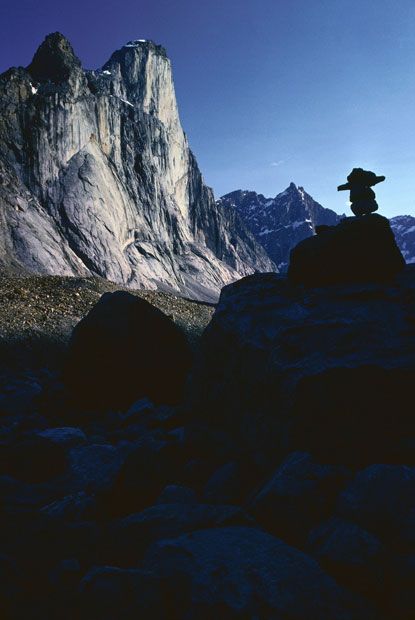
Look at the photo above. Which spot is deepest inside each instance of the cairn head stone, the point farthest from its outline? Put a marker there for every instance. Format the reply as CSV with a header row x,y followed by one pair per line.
x,y
54,60
356,250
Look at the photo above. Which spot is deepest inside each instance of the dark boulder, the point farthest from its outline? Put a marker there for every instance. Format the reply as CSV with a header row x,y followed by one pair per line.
x,y
241,572
381,499
356,250
355,416
326,371
354,556
94,467
126,540
33,460
108,592
153,464
65,436
177,494
126,349
298,496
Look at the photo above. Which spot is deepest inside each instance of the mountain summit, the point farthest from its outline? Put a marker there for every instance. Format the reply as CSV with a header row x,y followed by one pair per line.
x,y
280,223
97,177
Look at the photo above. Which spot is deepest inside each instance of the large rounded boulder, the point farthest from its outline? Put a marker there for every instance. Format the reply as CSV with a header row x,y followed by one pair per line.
x,y
125,349
358,249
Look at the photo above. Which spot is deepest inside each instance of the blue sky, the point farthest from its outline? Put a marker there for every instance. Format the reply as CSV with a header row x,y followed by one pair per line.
x,y
270,91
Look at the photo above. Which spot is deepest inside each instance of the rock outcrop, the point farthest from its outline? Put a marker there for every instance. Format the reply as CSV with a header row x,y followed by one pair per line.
x,y
96,177
358,249
317,370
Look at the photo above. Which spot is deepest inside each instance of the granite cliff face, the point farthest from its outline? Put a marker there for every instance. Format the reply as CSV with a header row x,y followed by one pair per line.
x,y
279,223
96,177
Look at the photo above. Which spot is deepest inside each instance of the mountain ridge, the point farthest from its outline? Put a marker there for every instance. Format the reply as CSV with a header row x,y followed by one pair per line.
x,y
280,223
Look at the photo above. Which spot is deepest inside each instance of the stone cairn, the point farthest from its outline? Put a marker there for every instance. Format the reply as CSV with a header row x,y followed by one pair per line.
x,y
362,196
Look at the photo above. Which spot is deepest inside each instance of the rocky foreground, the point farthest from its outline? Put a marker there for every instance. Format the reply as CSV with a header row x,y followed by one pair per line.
x,y
273,478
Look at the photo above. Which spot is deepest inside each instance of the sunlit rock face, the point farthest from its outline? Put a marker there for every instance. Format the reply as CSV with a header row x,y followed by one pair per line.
x,y
96,177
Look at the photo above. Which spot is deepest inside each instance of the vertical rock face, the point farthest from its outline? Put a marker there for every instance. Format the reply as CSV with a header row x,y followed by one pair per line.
x,y
96,177
280,223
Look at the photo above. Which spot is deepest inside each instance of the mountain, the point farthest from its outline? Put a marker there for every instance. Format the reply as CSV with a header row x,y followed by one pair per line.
x,y
96,177
279,223
403,227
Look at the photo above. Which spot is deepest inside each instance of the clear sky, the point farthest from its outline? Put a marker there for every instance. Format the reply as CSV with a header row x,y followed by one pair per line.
x,y
269,91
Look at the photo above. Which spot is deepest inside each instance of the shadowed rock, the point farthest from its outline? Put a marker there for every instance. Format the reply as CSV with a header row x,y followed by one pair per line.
x,y
356,250
54,60
125,349
242,572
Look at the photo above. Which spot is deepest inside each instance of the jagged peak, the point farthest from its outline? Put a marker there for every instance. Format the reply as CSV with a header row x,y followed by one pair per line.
x,y
54,59
136,45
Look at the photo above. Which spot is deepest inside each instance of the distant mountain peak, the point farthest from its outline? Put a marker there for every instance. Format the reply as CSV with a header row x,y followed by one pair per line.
x,y
280,223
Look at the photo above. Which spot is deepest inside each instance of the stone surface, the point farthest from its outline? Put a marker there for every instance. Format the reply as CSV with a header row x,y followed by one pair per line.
x,y
359,249
125,349
65,436
283,368
239,570
177,494
33,460
382,499
94,467
299,495
126,540
354,556
98,178
108,592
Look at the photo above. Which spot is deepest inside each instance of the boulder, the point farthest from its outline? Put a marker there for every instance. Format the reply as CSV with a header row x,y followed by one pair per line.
x,y
64,436
126,349
94,467
177,494
108,592
298,496
126,540
381,499
358,249
71,507
238,572
148,468
33,460
354,416
354,556
327,371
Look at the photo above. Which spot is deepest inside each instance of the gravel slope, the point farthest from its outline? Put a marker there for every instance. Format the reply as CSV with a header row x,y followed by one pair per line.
x,y
38,313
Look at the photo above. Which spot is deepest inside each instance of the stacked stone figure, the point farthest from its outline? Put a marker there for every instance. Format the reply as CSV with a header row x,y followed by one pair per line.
x,y
362,196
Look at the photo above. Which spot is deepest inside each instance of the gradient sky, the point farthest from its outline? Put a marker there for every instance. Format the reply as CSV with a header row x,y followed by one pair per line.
x,y
269,91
